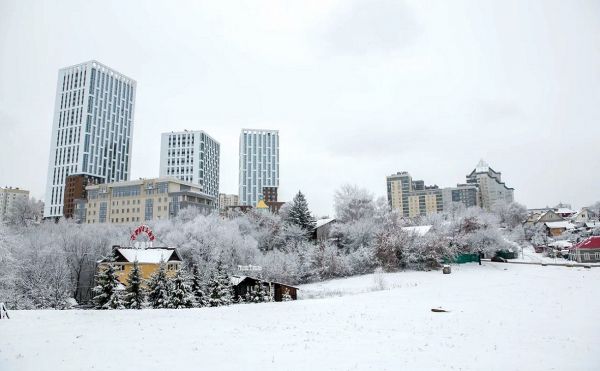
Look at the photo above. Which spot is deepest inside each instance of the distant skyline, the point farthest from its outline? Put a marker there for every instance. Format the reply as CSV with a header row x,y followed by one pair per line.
x,y
358,90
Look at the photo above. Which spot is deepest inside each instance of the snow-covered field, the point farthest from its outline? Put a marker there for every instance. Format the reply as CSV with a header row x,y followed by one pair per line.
x,y
502,317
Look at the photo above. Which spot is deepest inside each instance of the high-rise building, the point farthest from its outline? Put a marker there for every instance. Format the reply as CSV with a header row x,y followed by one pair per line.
x,y
75,190
259,163
412,197
191,156
491,187
142,200
8,196
92,129
228,200
467,194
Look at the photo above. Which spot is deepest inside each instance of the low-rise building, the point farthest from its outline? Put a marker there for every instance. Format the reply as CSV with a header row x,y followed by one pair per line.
x,y
148,259
586,251
555,229
142,200
8,196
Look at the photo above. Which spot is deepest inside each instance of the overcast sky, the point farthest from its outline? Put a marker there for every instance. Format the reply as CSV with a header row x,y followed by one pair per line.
x,y
358,89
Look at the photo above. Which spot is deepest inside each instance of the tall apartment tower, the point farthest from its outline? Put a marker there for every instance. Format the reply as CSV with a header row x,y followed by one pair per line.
x,y
259,163
92,129
412,197
491,187
191,156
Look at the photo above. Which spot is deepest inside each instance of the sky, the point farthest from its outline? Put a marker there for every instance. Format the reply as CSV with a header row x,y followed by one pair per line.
x,y
357,89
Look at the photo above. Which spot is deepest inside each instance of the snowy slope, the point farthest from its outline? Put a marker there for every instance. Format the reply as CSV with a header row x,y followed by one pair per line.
x,y
503,317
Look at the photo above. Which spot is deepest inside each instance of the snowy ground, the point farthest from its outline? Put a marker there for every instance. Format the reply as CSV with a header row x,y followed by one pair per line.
x,y
502,317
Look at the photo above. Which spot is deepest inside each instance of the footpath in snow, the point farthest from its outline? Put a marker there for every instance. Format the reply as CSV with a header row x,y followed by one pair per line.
x,y
502,317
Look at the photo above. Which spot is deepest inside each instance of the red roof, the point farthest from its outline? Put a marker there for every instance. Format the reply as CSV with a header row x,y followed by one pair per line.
x,y
589,243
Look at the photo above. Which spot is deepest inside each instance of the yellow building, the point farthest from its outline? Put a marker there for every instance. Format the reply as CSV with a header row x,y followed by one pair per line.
x,y
142,200
411,197
148,259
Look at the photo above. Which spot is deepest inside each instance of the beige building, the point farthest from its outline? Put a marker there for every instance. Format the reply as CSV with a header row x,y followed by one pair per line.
x,y
412,197
491,187
226,200
141,200
8,196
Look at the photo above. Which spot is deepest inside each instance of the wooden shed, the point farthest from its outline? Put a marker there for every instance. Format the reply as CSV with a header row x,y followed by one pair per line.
x,y
243,285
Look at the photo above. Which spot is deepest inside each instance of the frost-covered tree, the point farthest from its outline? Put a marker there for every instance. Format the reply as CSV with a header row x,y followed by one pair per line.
x,y
352,203
299,214
181,295
219,287
24,211
107,293
510,214
200,299
159,288
135,295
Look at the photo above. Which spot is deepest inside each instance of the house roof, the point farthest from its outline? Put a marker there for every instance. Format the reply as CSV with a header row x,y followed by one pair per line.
x,y
560,244
236,280
564,210
152,255
589,243
420,230
563,224
322,222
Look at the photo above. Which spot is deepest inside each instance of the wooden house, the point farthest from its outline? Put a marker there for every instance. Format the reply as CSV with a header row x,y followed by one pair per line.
x,y
243,285
148,259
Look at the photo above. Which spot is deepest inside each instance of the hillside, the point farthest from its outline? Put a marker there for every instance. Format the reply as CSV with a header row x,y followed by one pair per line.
x,y
502,317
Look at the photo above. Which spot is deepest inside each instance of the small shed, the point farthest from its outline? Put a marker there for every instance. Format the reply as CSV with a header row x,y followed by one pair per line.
x,y
243,285
323,229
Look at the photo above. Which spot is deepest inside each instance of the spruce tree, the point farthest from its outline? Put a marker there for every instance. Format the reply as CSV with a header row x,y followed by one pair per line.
x,y
159,287
134,293
299,214
181,295
107,295
196,286
219,287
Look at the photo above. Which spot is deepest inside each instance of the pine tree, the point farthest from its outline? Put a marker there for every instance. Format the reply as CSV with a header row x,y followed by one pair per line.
x,y
135,295
286,295
219,288
159,288
107,295
299,214
196,286
181,295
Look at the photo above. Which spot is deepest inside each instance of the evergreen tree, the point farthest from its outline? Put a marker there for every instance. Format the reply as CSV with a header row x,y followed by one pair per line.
x,y
134,293
286,295
260,293
107,295
181,295
299,214
196,286
219,287
159,288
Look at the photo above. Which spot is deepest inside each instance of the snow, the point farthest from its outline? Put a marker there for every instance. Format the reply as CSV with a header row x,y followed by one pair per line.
x,y
322,222
153,255
502,317
565,224
420,230
560,244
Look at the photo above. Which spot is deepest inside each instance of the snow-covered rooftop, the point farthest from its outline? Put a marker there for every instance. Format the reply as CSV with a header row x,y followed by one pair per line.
x,y
564,210
589,243
322,222
561,224
560,244
153,255
421,230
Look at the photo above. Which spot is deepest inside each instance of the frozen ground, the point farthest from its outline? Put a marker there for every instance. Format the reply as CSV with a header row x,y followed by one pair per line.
x,y
502,317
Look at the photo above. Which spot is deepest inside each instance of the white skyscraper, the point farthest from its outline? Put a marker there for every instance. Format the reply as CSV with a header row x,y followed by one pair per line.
x,y
92,129
259,163
191,156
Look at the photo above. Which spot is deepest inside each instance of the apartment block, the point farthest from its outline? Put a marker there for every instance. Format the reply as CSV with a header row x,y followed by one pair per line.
x,y
491,187
8,196
259,163
142,200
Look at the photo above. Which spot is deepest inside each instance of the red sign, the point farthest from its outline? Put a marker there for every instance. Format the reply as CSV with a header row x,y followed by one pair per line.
x,y
142,229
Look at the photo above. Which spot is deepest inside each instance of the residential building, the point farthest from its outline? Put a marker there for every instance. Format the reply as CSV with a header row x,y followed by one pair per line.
x,y
467,194
413,198
75,190
8,196
92,129
226,200
191,156
148,259
491,187
259,163
586,251
143,200
584,215
269,194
